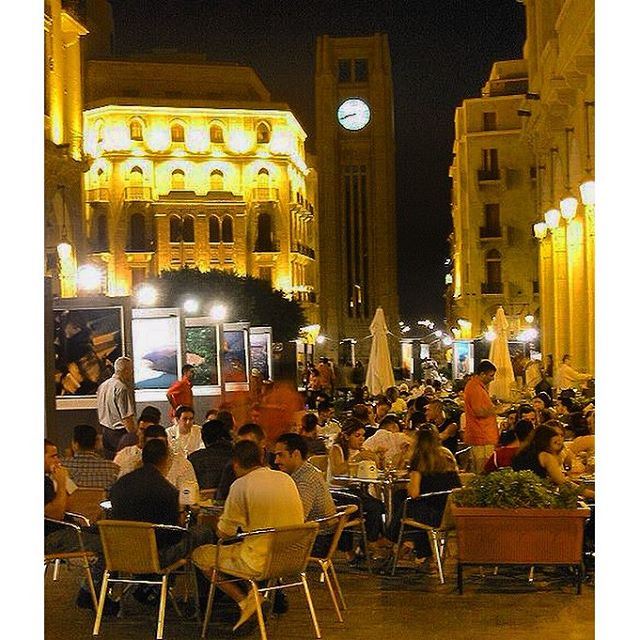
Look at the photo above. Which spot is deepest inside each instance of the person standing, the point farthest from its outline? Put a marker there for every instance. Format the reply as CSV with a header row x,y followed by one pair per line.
x,y
116,406
481,430
567,377
180,392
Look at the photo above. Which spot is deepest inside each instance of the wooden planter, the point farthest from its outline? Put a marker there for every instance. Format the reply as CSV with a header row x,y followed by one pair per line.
x,y
489,536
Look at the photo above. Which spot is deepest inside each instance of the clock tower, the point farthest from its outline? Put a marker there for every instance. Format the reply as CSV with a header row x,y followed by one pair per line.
x,y
356,195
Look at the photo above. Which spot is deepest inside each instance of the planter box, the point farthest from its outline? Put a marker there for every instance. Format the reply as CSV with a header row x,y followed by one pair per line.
x,y
519,536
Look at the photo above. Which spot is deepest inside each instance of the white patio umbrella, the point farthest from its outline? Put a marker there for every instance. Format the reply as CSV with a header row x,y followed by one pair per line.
x,y
379,371
504,381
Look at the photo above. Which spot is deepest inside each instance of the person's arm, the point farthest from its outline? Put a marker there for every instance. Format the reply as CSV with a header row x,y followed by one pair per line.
x,y
339,465
57,507
552,466
449,431
127,410
413,488
233,516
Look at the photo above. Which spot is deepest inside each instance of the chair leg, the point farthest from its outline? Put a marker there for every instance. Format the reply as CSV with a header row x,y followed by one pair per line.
x,y
397,556
194,579
163,606
332,593
256,595
365,544
312,611
207,613
337,584
103,597
56,569
436,551
92,588
531,568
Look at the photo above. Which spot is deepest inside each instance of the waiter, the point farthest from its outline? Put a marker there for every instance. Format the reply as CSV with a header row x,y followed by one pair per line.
x,y
116,407
180,393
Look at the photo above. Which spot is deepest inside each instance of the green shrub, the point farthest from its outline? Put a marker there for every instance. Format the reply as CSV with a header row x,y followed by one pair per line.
x,y
508,489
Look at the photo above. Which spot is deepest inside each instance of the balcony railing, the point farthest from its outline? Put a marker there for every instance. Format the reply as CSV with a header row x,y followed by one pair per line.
x,y
302,249
491,287
490,232
140,194
264,194
98,195
267,247
488,175
304,296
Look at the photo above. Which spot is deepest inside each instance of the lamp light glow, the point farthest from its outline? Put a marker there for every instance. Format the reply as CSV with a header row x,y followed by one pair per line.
x,y
191,305
529,318
89,278
588,192
490,335
320,339
540,230
218,312
447,341
64,250
568,207
552,218
147,295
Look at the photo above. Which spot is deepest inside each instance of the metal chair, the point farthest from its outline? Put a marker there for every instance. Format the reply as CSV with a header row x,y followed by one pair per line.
x,y
338,520
436,533
320,462
287,555
81,554
130,548
357,523
86,501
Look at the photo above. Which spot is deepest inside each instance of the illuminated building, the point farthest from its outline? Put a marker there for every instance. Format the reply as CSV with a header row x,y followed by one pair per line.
x,y
356,170
193,165
493,176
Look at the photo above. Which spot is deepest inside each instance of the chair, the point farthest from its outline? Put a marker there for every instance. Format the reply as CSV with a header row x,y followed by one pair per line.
x,y
288,552
320,462
437,533
130,548
81,554
339,521
344,497
86,501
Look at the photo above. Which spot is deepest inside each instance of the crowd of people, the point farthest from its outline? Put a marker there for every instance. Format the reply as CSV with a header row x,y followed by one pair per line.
x,y
428,431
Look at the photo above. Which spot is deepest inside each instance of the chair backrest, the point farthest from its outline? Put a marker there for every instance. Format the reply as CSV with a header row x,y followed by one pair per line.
x,y
320,462
431,507
338,521
343,497
288,550
86,501
129,546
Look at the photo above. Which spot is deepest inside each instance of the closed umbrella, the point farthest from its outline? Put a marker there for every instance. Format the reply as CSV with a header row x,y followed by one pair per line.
x,y
504,382
379,371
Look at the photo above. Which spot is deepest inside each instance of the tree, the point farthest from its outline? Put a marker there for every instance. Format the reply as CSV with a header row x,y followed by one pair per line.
x,y
246,298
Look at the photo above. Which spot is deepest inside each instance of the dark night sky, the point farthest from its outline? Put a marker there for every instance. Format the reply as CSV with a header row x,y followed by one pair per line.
x,y
441,53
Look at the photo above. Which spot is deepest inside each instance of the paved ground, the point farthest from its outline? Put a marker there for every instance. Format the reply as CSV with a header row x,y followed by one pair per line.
x,y
409,605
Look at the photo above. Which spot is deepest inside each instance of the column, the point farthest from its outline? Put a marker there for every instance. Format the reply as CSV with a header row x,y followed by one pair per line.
x,y
560,294
576,282
545,283
590,265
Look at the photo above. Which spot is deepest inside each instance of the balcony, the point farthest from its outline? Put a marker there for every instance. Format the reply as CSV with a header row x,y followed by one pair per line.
x,y
137,194
264,194
488,175
267,247
98,195
303,250
491,288
490,233
304,296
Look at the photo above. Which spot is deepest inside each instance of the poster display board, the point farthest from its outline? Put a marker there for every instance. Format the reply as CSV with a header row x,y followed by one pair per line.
x,y
260,355
462,362
407,364
235,356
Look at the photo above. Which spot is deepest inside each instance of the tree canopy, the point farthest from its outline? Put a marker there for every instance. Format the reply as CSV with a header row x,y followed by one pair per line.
x,y
246,298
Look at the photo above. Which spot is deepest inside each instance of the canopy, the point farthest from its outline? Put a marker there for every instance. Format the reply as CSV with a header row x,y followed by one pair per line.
x,y
379,371
504,382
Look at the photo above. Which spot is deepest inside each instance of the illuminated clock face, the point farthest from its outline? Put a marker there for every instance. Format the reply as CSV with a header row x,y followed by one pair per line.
x,y
354,114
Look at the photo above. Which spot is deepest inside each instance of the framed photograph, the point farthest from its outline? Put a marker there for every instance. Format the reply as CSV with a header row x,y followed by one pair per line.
x,y
235,356
462,358
201,351
406,349
260,351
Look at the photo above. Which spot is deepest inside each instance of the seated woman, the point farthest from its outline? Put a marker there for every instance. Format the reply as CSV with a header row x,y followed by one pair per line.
x,y
348,448
503,456
543,456
432,468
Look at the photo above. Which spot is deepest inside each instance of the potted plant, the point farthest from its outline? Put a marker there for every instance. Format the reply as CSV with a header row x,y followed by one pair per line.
x,y
514,517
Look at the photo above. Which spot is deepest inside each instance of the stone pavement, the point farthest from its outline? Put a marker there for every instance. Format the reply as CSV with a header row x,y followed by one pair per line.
x,y
410,605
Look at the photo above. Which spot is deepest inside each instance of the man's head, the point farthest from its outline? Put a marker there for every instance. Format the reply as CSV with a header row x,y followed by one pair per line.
x,y
228,419
150,415
486,371
309,425
123,368
246,456
187,371
392,394
435,411
156,452
566,359
390,423
214,431
154,431
325,411
252,432
523,429
84,438
291,452
212,414
565,406
184,418
254,412
363,412
527,412
383,406
51,459
421,403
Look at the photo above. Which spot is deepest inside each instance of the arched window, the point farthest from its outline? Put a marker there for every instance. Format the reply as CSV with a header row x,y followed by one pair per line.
x,y
137,239
493,266
227,229
263,134
216,133
102,233
263,178
135,177
216,180
265,233
188,233
214,229
177,132
175,229
135,129
177,179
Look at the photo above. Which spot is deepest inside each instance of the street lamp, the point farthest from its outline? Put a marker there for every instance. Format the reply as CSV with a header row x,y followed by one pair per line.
x,y
147,295
89,278
218,312
191,305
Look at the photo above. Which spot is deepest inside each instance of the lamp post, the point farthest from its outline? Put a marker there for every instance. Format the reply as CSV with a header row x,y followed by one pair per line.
x,y
218,314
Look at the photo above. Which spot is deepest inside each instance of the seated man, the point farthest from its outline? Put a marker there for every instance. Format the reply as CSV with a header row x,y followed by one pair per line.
x,y
150,415
208,463
388,442
184,436
60,539
309,431
328,426
260,498
86,468
130,458
364,413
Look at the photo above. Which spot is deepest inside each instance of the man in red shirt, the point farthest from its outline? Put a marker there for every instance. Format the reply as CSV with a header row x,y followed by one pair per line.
x,y
180,393
481,428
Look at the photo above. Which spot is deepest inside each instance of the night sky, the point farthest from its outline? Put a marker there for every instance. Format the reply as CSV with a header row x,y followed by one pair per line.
x,y
441,53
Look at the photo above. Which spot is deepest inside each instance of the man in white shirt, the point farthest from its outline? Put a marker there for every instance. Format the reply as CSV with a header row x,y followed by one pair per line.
x,y
260,498
567,377
184,436
388,440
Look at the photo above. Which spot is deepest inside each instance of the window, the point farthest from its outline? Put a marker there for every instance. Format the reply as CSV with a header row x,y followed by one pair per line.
x,y
490,160
344,70
214,229
227,229
265,233
177,179
135,130
493,265
263,178
263,133
489,122
216,180
177,132
136,177
102,233
175,229
216,134
492,216
266,274
137,238
188,231
361,68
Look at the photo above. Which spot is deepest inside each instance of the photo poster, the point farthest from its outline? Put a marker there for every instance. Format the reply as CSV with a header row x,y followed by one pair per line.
x,y
156,349
406,349
462,358
260,351
86,344
202,352
234,356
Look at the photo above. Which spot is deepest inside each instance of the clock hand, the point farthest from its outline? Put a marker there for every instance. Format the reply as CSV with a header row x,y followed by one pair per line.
x,y
348,115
